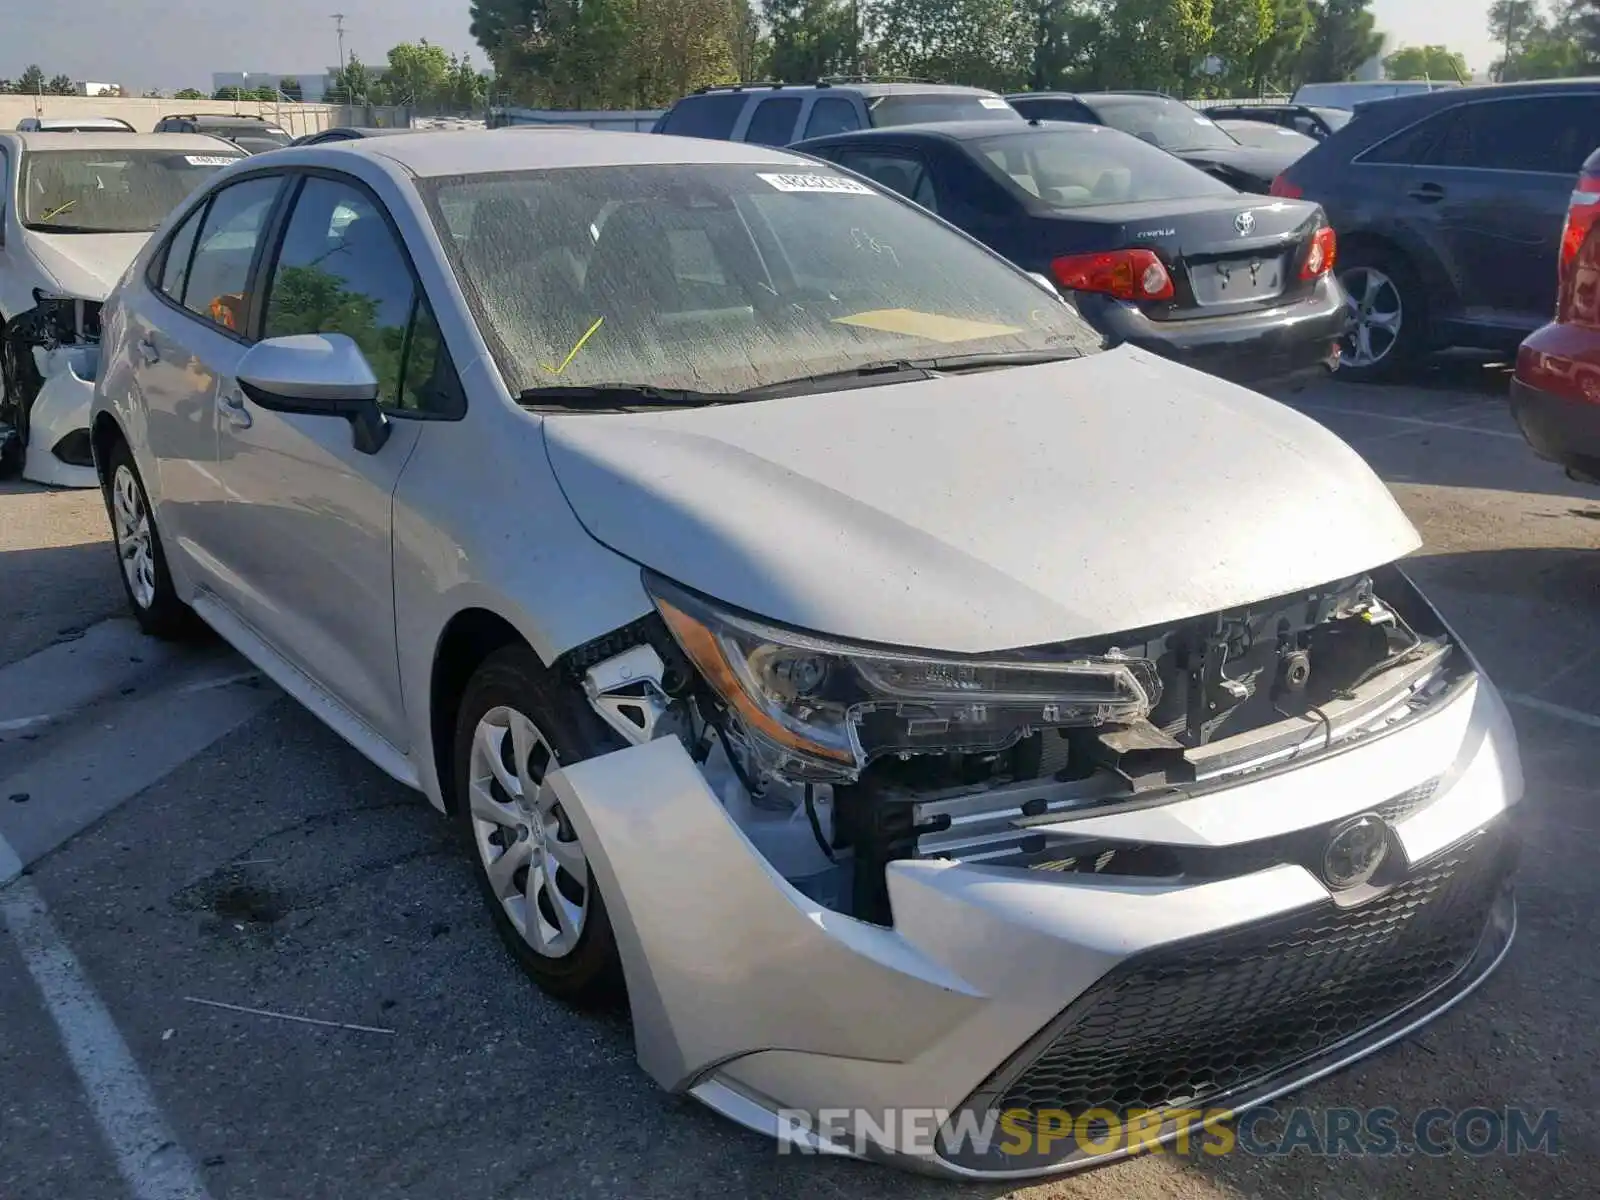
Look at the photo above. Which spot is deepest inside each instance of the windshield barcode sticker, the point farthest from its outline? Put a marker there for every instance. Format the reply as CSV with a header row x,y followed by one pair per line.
x,y
816,183
210,160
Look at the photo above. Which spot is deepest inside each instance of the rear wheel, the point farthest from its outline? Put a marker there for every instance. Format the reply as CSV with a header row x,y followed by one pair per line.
x,y
143,562
517,723
1388,316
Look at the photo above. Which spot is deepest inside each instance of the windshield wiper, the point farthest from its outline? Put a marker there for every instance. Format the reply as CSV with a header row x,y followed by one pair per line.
x,y
905,370
618,397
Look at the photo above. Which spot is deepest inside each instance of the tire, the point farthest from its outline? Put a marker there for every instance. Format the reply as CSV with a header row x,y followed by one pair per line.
x,y
1379,283
569,949
141,561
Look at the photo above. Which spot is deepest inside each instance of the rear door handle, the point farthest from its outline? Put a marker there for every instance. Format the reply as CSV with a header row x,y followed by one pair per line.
x,y
148,351
1428,193
230,404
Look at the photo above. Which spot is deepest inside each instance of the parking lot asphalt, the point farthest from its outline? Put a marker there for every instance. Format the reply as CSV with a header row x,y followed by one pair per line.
x,y
235,852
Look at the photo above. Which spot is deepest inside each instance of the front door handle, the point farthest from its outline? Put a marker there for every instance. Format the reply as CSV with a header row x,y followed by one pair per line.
x,y
1428,193
230,404
148,351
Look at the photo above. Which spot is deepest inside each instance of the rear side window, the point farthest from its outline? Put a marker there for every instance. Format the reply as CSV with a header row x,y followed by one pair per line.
x,y
897,171
1079,169
175,266
710,116
1411,147
832,115
912,108
220,271
772,124
1545,134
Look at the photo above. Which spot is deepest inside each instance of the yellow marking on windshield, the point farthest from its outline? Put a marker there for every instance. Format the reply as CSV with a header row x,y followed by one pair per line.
x,y
573,353
57,211
932,326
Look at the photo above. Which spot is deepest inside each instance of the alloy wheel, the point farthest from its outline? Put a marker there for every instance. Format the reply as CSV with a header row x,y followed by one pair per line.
x,y
1376,313
527,845
135,542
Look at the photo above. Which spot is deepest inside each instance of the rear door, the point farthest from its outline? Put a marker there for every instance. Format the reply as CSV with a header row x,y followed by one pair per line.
x,y
1499,175
187,332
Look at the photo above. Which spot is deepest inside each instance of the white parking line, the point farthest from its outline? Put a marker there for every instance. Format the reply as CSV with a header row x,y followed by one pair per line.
x,y
1341,411
148,1156
1576,715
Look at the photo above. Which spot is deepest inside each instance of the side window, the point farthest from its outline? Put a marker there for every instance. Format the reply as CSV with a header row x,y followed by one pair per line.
x,y
712,115
1548,134
220,270
772,124
899,172
831,114
341,270
175,261
1411,147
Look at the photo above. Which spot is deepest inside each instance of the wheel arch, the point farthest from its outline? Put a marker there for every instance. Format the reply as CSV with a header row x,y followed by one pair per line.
x,y
1419,258
467,639
104,433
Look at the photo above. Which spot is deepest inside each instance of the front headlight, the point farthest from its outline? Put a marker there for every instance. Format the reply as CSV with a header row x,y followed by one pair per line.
x,y
812,708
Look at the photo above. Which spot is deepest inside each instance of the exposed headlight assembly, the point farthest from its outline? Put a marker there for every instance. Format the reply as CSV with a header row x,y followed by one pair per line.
x,y
811,708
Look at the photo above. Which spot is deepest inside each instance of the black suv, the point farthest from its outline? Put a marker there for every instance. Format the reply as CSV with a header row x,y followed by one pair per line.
x,y
1449,208
775,114
252,134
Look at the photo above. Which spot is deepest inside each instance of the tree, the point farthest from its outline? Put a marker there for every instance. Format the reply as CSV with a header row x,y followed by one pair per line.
x,y
1342,38
31,82
1239,29
228,93
61,85
980,42
419,73
750,46
1538,45
290,87
1426,62
1154,44
188,94
810,39
1272,65
351,84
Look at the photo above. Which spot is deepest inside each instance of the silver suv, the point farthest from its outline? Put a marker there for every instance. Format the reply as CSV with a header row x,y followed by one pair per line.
x,y
776,114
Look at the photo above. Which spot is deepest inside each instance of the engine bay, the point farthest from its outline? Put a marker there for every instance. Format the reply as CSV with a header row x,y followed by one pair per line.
x,y
1230,693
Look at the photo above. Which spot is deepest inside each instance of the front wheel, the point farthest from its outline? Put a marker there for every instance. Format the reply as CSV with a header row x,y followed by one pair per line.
x,y
1388,317
517,723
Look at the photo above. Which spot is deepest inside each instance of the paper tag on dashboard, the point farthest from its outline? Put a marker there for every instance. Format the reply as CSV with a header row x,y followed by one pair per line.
x,y
816,183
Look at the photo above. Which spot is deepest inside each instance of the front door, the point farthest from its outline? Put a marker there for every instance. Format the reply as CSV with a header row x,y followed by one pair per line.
x,y
310,513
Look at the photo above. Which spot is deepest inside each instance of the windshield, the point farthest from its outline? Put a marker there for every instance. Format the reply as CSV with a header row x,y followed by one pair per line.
x,y
1082,167
253,131
1334,118
110,191
1170,124
719,278
1259,133
915,108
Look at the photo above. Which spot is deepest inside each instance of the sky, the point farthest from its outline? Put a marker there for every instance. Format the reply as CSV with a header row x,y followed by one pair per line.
x,y
171,44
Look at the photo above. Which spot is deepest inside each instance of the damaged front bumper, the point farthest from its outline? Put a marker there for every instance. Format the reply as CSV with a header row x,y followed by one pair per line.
x,y
1017,994
58,450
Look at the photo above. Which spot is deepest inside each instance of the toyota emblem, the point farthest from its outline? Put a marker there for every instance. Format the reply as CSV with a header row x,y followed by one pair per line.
x,y
1244,223
1355,851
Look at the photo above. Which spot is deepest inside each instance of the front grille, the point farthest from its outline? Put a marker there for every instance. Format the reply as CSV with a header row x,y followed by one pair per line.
x,y
1190,1023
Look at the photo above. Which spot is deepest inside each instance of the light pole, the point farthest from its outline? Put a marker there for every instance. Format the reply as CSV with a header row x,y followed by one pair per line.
x,y
338,28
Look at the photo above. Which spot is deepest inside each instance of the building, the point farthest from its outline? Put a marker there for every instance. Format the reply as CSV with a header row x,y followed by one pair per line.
x,y
99,89
313,86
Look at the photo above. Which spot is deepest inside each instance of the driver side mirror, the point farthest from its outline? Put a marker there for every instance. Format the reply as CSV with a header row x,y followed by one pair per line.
x,y
317,375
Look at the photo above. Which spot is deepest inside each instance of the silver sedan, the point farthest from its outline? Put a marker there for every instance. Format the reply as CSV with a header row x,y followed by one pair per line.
x,y
964,746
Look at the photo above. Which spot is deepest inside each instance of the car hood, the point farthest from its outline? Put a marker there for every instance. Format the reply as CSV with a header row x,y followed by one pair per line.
x,y
85,265
1259,162
985,511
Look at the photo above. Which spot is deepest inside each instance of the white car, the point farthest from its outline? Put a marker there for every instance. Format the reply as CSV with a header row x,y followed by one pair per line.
x,y
805,622
74,210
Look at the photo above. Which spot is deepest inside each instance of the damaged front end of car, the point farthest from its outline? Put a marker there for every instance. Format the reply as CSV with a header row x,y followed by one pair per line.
x,y
49,356
874,877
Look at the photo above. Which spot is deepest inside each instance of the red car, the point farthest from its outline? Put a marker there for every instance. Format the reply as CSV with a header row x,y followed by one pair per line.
x,y
1556,393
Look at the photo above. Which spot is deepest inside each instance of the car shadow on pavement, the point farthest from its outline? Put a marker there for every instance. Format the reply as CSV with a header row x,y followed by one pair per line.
x,y
51,594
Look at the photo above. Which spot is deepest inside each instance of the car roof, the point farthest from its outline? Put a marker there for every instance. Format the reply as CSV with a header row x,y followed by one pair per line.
x,y
62,124
1450,97
200,143
481,151
866,88
1136,95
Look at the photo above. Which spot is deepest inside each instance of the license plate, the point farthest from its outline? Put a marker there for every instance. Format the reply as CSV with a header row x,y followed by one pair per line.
x,y
1237,279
